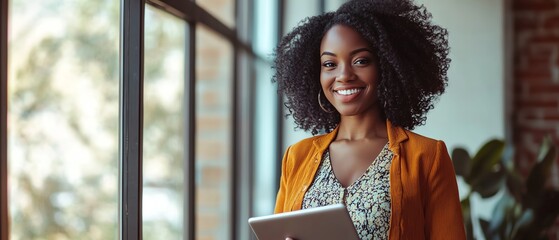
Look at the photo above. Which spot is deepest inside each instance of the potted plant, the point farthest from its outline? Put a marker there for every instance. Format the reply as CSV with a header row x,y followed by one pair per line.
x,y
528,207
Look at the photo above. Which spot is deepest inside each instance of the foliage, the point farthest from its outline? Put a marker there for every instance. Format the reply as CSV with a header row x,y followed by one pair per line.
x,y
528,207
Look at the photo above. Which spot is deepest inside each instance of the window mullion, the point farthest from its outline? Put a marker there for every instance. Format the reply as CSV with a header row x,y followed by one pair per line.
x,y
131,118
189,216
4,227
4,223
237,159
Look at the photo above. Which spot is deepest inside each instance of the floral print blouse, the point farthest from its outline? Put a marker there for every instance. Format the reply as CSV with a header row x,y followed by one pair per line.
x,y
367,199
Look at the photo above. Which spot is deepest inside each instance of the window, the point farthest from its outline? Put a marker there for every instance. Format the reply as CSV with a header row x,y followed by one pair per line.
x,y
137,119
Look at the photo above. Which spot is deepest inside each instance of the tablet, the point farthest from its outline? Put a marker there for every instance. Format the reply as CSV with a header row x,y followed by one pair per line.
x,y
325,223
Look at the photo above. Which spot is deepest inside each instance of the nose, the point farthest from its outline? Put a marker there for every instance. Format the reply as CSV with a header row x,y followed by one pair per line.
x,y
345,73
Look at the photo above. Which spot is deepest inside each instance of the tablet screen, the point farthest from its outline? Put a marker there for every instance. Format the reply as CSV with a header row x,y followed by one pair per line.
x,y
325,223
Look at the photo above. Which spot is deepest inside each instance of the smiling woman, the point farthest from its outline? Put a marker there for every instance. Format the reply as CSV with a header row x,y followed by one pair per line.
x,y
376,67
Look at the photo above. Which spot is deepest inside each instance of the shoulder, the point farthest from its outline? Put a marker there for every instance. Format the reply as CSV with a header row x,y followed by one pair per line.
x,y
408,142
424,151
419,142
308,148
426,158
302,150
305,144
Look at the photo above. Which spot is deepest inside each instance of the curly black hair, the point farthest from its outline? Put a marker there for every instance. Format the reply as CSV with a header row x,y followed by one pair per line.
x,y
411,54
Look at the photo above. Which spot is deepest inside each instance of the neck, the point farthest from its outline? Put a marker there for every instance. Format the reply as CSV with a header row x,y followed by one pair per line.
x,y
360,127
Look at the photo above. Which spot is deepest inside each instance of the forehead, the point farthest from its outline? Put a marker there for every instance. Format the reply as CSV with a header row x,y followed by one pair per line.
x,y
341,37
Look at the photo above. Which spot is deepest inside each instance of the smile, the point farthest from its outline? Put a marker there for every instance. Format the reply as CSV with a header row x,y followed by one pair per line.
x,y
347,92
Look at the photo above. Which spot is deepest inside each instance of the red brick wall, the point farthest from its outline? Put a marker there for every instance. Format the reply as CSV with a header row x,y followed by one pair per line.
x,y
536,80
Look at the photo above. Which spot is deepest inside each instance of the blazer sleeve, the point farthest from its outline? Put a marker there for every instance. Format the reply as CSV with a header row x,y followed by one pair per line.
x,y
282,192
443,212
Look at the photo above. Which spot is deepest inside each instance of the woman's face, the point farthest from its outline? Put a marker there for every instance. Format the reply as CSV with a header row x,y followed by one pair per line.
x,y
348,72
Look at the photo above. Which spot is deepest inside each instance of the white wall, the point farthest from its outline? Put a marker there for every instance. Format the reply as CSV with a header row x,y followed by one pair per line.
x,y
472,109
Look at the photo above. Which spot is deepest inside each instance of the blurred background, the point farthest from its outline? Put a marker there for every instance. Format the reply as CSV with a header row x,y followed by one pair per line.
x,y
64,101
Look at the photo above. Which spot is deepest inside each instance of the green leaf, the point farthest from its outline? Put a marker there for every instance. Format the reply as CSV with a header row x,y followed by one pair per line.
x,y
461,161
515,185
486,158
490,183
546,147
535,183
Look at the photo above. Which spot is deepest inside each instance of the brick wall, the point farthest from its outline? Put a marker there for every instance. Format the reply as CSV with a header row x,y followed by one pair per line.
x,y
536,80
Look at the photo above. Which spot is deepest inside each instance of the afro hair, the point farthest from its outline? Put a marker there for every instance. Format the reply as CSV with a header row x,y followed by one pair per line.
x,y
411,55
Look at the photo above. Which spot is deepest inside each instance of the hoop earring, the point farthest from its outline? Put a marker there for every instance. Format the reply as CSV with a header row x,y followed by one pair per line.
x,y
320,104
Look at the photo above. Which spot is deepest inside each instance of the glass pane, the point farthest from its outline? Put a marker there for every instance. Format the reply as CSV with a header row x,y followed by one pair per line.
x,y
265,112
265,155
223,10
265,28
214,71
163,137
63,119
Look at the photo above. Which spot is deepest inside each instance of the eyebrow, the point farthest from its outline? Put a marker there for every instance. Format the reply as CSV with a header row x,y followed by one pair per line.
x,y
351,53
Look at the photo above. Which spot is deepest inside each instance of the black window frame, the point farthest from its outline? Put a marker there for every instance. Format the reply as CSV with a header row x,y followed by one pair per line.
x,y
4,221
131,118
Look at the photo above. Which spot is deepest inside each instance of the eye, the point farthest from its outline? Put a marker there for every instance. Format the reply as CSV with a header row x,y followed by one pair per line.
x,y
328,64
361,61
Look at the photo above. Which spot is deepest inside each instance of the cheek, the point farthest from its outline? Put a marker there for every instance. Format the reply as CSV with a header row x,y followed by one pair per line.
x,y
326,80
370,76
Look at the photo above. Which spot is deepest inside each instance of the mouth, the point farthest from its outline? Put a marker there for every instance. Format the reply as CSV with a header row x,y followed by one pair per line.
x,y
348,95
348,92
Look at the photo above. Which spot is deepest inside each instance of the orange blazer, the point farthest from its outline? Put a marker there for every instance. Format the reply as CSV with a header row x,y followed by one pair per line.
x,y
423,190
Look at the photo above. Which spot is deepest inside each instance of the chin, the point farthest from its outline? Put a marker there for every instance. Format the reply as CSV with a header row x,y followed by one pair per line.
x,y
354,111
348,113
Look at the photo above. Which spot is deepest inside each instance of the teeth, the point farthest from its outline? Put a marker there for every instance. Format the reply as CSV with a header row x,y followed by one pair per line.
x,y
349,91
